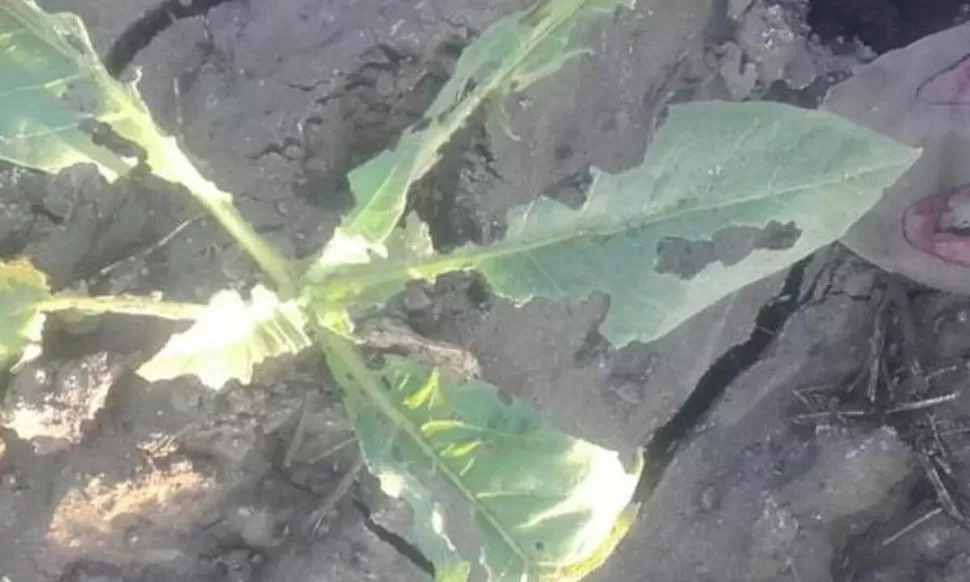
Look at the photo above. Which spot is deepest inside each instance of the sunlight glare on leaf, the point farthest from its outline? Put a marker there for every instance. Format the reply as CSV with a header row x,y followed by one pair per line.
x,y
230,339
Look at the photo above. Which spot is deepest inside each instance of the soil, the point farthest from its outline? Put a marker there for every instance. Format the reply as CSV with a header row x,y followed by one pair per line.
x,y
808,428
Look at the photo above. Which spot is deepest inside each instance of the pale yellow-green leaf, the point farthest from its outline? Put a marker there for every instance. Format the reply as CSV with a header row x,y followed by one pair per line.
x,y
510,55
491,483
22,290
230,338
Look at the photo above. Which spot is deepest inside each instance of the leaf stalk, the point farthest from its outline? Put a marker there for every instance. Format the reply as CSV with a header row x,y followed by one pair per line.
x,y
125,305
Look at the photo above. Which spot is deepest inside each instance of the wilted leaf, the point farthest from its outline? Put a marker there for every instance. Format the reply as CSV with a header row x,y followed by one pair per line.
x,y
524,500
509,56
22,289
727,194
230,338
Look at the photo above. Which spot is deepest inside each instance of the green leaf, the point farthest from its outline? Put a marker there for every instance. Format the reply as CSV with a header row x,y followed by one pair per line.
x,y
53,90
22,290
61,107
727,194
337,310
509,56
230,338
522,499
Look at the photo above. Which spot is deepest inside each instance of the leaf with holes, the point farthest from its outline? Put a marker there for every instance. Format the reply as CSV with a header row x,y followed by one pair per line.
x,y
727,194
488,479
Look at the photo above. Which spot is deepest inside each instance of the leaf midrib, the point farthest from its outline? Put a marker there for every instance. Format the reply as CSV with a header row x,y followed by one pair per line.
x,y
375,274
365,378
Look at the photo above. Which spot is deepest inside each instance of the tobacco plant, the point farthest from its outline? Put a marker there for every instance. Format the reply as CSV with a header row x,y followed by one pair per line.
x,y
496,491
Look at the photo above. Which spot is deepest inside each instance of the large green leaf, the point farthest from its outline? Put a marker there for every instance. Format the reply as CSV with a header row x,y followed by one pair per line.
x,y
54,91
22,289
727,194
520,498
510,55
230,338
60,107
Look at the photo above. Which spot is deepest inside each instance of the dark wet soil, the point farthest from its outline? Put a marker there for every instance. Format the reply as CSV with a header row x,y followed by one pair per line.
x,y
884,25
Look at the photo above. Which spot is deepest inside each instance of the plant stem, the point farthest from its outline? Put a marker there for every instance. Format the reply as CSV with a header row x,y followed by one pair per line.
x,y
179,169
275,267
358,279
128,305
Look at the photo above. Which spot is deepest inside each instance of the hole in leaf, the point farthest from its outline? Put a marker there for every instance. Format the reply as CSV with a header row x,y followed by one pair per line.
x,y
729,246
75,43
422,124
478,293
494,421
940,225
376,361
572,189
540,547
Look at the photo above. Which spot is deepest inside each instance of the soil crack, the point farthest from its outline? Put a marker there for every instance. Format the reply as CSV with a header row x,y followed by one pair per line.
x,y
140,33
399,543
666,441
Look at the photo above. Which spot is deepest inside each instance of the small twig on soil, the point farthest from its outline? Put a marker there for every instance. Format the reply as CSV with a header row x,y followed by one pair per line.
x,y
812,417
330,501
942,459
876,342
890,381
942,493
332,450
912,525
962,366
804,399
952,431
920,385
793,570
145,252
923,404
298,433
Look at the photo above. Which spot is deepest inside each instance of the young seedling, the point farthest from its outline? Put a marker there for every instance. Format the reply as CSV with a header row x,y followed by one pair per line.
x,y
497,492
